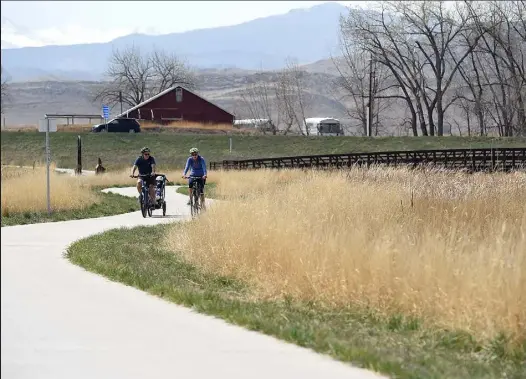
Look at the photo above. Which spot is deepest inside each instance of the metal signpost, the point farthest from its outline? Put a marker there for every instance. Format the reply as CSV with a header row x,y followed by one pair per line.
x,y
47,125
106,115
78,171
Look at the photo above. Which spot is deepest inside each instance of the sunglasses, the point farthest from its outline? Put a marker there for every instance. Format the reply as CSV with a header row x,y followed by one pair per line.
x,y
194,154
147,154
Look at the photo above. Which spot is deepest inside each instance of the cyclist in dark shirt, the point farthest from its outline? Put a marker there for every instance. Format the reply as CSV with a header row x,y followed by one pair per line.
x,y
145,163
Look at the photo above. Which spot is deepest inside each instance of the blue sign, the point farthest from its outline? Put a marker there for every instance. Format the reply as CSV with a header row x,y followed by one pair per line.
x,y
106,111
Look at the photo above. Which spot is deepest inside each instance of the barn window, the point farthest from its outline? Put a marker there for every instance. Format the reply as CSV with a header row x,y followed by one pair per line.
x,y
179,94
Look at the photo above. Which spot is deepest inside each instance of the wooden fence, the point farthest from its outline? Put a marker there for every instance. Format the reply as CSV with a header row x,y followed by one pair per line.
x,y
492,159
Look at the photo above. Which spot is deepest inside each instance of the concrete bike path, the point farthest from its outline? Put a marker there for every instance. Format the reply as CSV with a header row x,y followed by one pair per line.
x,y
60,321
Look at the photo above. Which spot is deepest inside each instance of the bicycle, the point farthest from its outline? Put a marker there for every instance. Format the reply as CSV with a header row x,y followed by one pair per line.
x,y
197,192
144,197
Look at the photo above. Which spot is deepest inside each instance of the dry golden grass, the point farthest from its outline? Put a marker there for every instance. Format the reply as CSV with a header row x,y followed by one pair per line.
x,y
185,125
24,189
77,128
146,126
449,248
21,128
152,126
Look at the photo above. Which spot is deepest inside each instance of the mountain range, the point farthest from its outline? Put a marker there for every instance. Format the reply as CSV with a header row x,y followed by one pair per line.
x,y
308,35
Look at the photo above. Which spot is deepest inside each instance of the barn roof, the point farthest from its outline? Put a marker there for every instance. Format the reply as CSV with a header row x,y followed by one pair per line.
x,y
160,94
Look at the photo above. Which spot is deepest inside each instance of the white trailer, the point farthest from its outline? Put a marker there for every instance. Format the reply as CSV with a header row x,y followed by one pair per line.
x,y
323,126
256,123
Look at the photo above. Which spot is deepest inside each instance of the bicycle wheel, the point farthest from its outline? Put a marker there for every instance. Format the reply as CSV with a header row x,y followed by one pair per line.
x,y
150,210
195,201
192,206
163,201
148,202
143,206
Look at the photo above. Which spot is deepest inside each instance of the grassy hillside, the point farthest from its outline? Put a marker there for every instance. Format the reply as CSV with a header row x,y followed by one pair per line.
x,y
170,150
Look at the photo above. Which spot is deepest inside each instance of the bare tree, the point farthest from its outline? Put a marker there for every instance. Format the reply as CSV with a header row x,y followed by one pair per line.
x,y
382,36
502,27
445,38
297,99
472,95
285,101
353,81
137,77
5,91
260,102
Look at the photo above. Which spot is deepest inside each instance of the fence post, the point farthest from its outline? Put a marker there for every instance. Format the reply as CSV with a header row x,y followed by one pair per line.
x,y
493,160
78,171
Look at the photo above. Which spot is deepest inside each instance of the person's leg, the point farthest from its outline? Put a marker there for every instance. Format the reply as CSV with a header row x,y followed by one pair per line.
x,y
189,191
139,189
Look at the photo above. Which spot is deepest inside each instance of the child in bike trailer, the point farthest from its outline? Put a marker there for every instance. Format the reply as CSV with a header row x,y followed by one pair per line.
x,y
197,166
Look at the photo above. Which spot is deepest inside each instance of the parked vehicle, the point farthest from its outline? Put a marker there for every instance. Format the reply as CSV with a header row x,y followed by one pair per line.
x,y
118,125
262,124
324,126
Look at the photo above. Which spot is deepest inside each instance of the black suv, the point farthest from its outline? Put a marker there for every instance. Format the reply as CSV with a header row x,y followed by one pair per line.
x,y
118,125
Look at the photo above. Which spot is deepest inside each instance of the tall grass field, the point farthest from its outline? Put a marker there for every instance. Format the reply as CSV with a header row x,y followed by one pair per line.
x,y
24,189
446,248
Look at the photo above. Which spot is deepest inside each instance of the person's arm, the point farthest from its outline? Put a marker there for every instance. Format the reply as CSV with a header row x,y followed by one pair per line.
x,y
134,168
153,165
203,165
187,167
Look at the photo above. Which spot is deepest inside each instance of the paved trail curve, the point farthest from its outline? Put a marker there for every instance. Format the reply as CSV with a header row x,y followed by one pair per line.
x,y
62,322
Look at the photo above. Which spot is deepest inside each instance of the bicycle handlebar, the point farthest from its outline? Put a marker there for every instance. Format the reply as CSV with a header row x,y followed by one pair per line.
x,y
143,175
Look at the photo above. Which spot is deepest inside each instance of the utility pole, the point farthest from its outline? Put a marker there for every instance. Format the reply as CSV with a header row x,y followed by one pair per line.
x,y
48,161
370,110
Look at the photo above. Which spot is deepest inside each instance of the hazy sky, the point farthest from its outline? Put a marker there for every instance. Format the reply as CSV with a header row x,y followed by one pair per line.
x,y
37,23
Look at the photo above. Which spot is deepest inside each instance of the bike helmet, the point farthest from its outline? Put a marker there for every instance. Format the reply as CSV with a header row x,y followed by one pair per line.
x,y
145,150
194,150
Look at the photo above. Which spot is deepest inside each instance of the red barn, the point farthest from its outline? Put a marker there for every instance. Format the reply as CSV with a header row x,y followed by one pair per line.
x,y
179,104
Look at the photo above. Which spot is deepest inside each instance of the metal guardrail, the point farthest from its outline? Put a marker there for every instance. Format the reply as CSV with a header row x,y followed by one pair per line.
x,y
487,159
